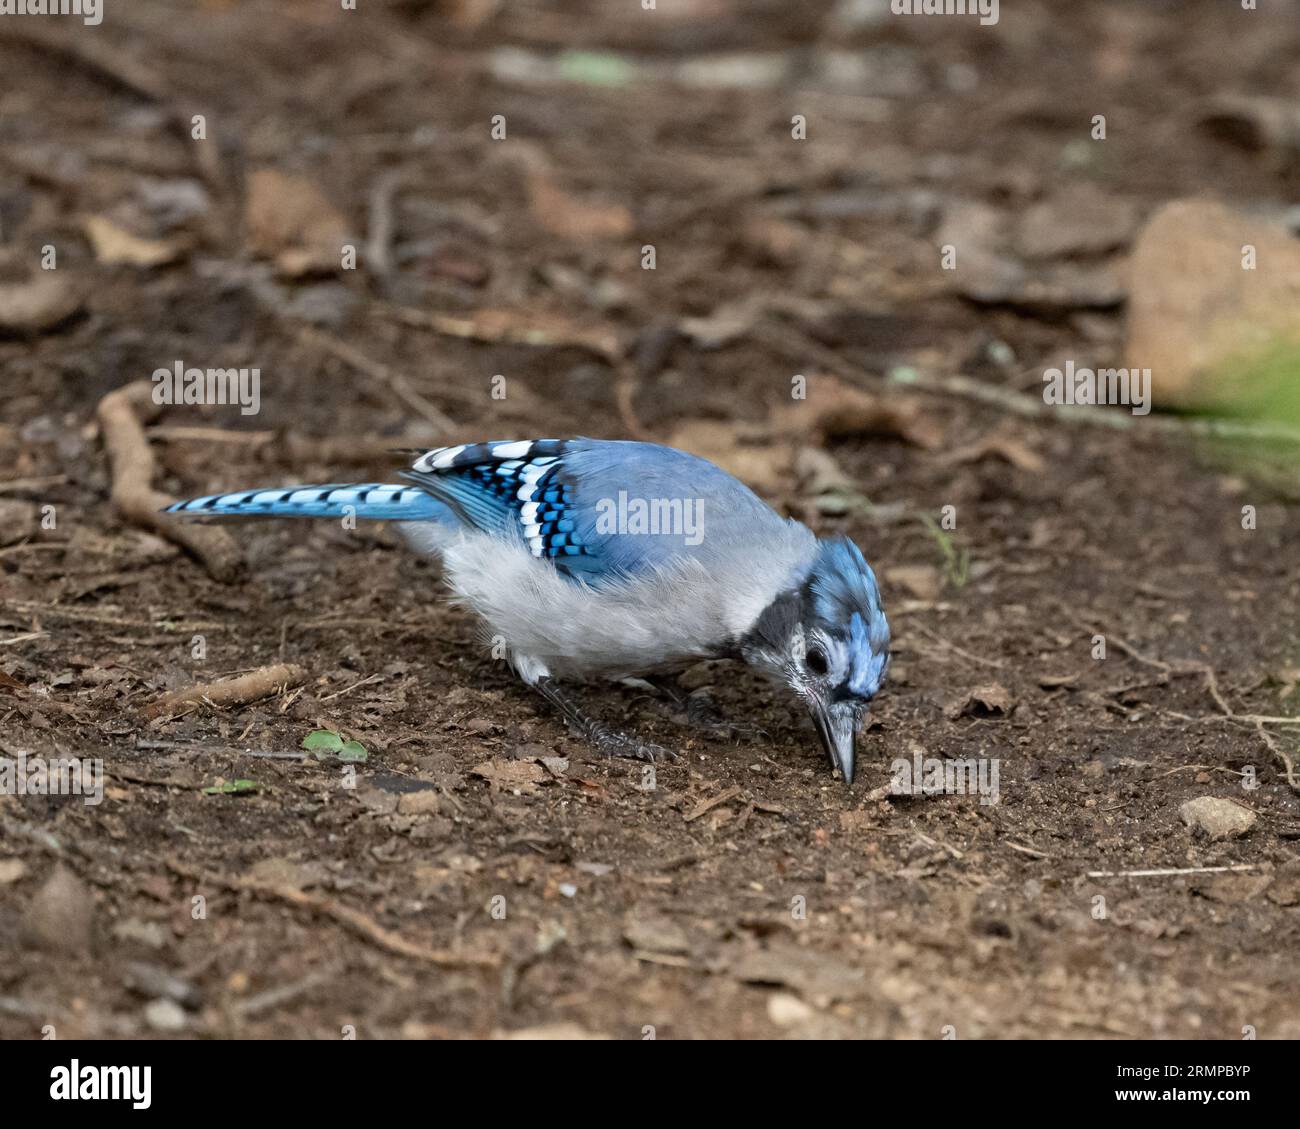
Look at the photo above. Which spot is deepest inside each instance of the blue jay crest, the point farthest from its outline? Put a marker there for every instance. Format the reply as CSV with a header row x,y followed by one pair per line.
x,y
844,605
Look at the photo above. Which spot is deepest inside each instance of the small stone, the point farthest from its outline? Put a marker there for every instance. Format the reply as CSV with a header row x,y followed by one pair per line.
x,y
423,802
1196,318
165,1015
18,520
656,934
154,980
1080,220
1216,818
1285,889
285,872
551,1032
132,930
786,1010
61,915
597,869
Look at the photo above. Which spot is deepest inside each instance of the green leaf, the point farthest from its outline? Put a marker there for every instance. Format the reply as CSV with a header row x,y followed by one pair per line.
x,y
596,68
354,751
232,788
323,739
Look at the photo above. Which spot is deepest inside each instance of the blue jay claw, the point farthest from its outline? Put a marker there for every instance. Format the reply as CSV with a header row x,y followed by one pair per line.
x,y
703,712
615,744
608,741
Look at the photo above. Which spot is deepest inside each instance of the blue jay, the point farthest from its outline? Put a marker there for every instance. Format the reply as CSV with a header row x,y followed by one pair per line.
x,y
611,559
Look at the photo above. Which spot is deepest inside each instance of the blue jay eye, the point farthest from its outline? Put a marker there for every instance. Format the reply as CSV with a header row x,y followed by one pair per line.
x,y
816,660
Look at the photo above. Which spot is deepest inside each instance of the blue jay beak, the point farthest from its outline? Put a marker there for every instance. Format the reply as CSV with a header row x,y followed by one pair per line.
x,y
837,726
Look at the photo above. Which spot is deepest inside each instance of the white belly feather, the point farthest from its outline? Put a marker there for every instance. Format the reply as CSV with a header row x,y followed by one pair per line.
x,y
554,626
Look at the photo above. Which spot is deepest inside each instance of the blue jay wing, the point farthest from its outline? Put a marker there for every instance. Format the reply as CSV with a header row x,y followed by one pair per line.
x,y
502,488
600,510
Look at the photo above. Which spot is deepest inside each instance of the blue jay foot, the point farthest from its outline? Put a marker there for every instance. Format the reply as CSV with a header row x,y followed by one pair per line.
x,y
609,741
698,710
702,711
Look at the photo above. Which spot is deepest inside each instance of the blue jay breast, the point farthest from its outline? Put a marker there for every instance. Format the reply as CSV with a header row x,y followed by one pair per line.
x,y
651,622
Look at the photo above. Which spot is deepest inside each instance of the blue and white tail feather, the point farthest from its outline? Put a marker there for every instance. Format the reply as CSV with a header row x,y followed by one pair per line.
x,y
380,501
525,532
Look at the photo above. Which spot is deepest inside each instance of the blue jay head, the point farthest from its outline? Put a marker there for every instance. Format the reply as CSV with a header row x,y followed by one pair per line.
x,y
829,641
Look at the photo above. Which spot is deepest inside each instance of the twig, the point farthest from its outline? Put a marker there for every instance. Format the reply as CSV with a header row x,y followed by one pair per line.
x,y
394,382
1032,852
102,61
1166,873
278,997
92,55
233,691
120,414
496,327
1032,407
34,547
946,645
22,485
288,447
708,805
1280,753
1247,718
1226,712
625,390
356,685
75,615
208,435
352,919
379,258
222,750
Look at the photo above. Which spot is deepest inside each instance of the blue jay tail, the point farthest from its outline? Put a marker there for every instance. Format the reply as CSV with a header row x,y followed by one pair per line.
x,y
379,501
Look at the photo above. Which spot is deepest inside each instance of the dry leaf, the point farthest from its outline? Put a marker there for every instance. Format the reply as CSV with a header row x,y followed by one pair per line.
x,y
521,328
44,302
989,700
766,468
569,218
727,323
834,409
1004,447
291,222
116,246
923,582
511,775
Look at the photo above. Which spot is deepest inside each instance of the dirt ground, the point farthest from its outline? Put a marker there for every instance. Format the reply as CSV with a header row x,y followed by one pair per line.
x,y
461,882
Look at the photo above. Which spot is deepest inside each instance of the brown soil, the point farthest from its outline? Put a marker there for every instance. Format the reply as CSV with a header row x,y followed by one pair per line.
x,y
796,905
